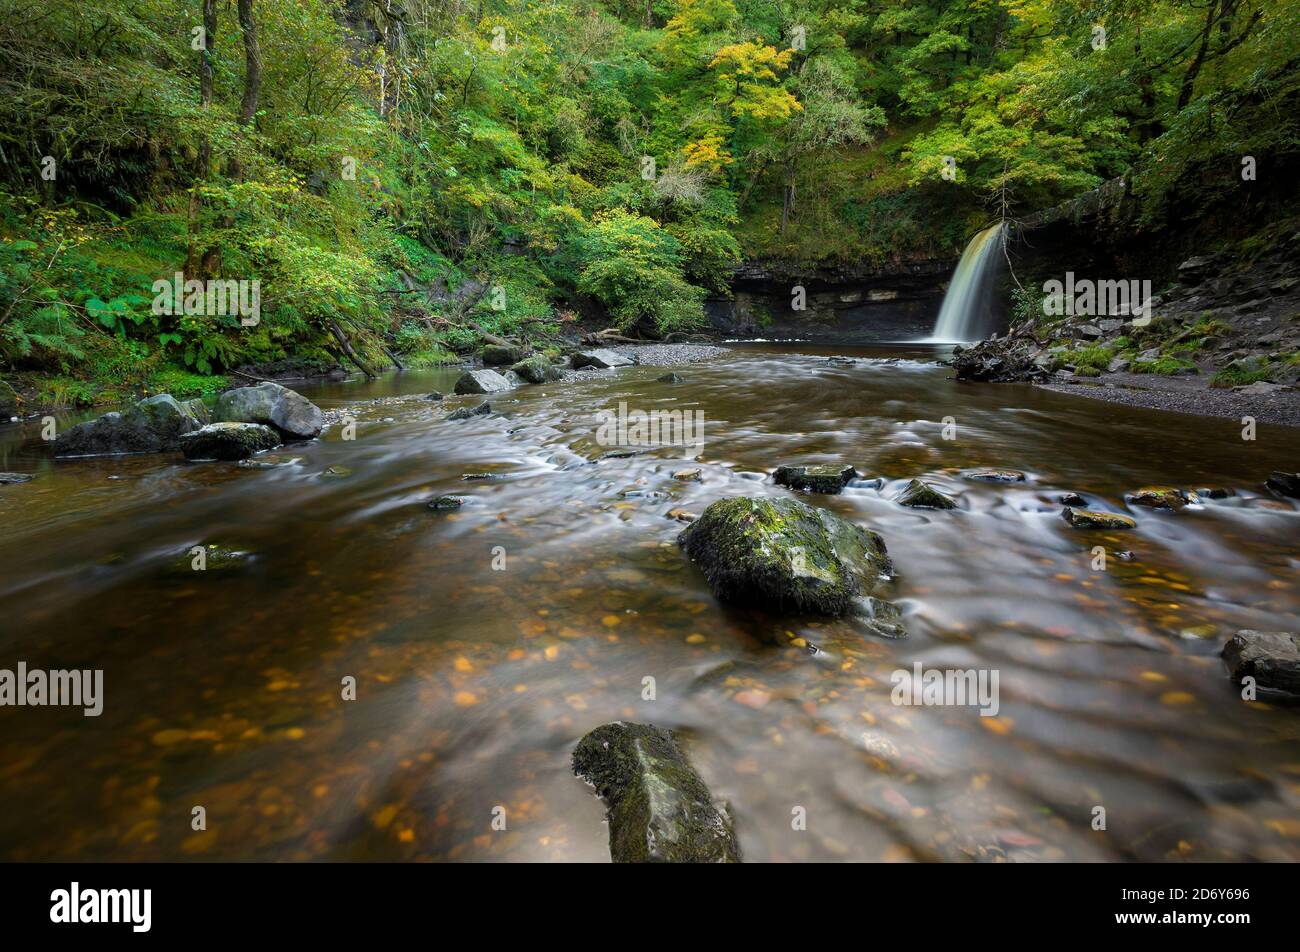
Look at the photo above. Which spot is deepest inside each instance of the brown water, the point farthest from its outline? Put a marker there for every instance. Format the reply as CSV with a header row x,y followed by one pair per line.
x,y
474,683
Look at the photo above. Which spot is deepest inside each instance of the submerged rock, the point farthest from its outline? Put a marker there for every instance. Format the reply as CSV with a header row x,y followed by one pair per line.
x,y
602,359
659,810
783,554
1272,658
228,441
996,475
434,395
8,479
267,403
154,425
1284,484
670,378
1096,519
829,478
537,369
1160,497
482,381
919,495
450,502
464,413
216,558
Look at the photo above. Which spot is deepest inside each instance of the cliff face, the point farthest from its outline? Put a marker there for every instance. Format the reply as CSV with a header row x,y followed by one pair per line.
x,y
844,304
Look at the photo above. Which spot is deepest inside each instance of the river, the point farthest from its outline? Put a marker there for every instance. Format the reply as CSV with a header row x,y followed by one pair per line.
x,y
485,641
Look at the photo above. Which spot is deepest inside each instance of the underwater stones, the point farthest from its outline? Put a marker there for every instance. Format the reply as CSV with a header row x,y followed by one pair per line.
x,y
270,462
830,478
659,809
285,410
1284,484
228,441
601,359
919,495
154,425
482,381
9,479
782,554
670,378
434,395
681,515
1096,519
995,475
465,413
500,355
537,369
444,503
215,558
1160,497
1272,658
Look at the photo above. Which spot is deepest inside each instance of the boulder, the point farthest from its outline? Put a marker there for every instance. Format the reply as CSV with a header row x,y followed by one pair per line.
x,y
465,413
782,554
1284,484
287,411
502,355
228,441
537,369
154,425
602,359
919,495
1096,519
1272,658
659,810
1160,497
830,478
482,381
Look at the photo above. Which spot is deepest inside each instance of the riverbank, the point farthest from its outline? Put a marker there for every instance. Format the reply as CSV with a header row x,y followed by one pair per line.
x,y
1264,403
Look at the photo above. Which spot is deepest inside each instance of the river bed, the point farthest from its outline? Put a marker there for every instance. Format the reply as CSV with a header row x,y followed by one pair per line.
x,y
486,641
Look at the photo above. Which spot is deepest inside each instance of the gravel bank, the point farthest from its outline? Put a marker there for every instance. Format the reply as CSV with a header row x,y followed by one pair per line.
x,y
653,355
1182,395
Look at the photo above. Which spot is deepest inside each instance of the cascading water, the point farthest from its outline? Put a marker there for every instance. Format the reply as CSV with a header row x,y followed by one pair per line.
x,y
965,313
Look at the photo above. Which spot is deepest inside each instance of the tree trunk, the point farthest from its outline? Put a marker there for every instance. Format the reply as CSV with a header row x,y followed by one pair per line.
x,y
348,349
252,63
1189,78
196,264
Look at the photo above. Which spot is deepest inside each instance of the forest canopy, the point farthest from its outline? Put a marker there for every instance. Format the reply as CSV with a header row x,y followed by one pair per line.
x,y
561,156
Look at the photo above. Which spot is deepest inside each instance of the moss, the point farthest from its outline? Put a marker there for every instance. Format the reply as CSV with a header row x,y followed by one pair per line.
x,y
1096,519
1240,376
660,810
1160,497
783,554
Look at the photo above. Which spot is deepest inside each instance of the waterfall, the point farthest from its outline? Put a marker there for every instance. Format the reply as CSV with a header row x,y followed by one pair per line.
x,y
966,315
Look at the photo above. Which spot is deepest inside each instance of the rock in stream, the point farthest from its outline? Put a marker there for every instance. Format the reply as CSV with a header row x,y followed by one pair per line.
x,y
660,811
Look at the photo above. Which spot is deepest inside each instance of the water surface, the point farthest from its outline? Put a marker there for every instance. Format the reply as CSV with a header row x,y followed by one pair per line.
x,y
474,682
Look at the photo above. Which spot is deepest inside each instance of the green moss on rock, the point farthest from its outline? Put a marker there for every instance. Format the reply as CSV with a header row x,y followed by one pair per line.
x,y
783,554
919,495
1096,519
660,811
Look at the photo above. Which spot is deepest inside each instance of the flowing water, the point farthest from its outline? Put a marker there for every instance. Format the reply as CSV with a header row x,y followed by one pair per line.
x,y
966,311
474,682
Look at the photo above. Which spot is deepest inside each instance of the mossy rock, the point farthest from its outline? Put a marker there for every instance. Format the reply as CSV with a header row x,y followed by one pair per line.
x,y
228,441
218,559
660,811
919,495
830,478
502,355
537,369
782,554
465,413
1160,497
995,475
1096,519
